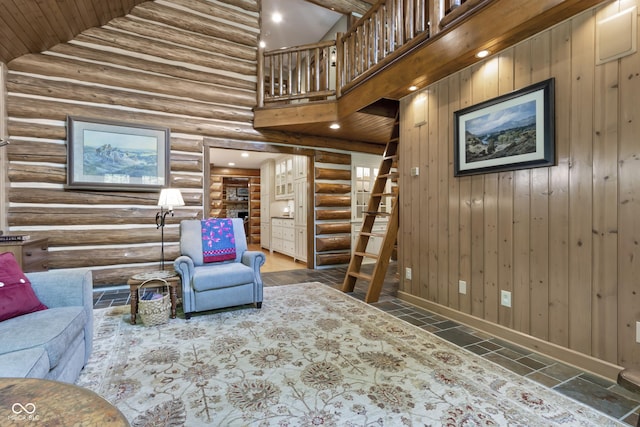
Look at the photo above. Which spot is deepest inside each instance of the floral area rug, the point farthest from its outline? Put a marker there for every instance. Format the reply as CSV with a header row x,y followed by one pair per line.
x,y
312,356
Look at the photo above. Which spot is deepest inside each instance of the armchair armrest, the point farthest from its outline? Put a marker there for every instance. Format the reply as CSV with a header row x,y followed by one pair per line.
x,y
254,259
185,267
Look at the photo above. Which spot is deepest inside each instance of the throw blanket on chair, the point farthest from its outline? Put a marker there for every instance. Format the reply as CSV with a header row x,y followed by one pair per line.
x,y
218,240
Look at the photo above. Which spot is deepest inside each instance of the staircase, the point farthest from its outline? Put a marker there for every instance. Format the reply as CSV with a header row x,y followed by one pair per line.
x,y
381,191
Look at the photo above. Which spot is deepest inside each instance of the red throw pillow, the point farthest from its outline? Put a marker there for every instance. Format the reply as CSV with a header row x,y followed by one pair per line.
x,y
16,294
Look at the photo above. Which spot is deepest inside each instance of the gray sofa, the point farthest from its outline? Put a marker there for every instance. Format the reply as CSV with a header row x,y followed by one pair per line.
x,y
54,343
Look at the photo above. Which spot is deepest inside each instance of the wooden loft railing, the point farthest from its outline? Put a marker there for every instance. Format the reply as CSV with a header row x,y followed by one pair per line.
x,y
325,70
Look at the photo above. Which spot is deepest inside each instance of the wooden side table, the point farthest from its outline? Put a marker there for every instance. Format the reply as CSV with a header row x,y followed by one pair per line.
x,y
173,280
38,402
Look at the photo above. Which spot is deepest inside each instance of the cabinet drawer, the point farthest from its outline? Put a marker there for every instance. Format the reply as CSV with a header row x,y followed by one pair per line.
x,y
288,234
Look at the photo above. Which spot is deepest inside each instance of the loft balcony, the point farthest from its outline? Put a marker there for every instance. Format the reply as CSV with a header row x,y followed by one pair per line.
x,y
358,79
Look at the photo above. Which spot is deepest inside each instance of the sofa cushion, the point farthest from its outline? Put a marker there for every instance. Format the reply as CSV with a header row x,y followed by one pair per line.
x,y
216,276
16,294
53,330
30,363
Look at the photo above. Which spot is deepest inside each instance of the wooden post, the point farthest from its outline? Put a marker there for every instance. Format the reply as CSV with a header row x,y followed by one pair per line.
x,y
340,60
4,161
260,94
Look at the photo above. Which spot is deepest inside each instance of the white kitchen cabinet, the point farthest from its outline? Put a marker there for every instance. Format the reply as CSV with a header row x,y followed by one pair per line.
x,y
266,197
283,236
284,178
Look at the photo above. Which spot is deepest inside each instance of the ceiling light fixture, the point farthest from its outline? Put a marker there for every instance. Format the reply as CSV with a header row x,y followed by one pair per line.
x,y
413,88
231,164
276,17
334,126
245,155
262,44
482,54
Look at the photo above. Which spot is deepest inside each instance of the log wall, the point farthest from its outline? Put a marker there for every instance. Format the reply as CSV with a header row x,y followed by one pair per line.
x,y
3,151
332,208
561,239
187,65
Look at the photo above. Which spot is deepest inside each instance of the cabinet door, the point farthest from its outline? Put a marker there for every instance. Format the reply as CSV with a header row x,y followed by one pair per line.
x,y
265,235
300,202
301,243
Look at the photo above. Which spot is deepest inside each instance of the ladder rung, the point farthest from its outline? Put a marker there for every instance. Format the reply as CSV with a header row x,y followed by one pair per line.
x,y
359,275
389,175
391,157
383,194
366,255
376,213
365,233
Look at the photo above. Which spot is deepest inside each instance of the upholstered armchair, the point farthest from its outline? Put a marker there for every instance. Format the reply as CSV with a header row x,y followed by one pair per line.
x,y
209,286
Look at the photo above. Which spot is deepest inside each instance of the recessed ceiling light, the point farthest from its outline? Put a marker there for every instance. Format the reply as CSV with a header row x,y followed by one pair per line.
x,y
413,88
482,54
263,44
231,164
334,126
244,154
276,17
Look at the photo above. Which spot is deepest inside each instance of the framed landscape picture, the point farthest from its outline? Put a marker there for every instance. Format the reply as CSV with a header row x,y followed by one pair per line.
x,y
116,156
512,131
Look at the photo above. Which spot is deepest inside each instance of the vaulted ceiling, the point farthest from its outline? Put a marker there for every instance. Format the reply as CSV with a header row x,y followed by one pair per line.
x,y
31,26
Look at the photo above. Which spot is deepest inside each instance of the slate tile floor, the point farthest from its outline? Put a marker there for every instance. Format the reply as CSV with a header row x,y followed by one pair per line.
x,y
603,395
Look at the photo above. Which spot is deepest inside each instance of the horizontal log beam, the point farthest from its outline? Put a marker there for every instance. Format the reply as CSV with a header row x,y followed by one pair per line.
x,y
333,259
111,256
333,228
328,214
66,237
332,188
334,243
87,197
332,201
154,30
336,158
21,216
130,79
334,174
64,90
194,23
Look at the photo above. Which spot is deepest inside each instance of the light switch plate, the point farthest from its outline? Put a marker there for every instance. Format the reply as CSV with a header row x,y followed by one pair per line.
x,y
638,332
505,298
462,287
407,273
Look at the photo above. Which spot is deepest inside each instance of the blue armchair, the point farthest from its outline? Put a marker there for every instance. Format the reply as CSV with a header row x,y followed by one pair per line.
x,y
209,286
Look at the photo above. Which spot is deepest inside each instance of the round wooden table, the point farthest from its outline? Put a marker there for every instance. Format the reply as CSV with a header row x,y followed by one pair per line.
x,y
171,277
32,401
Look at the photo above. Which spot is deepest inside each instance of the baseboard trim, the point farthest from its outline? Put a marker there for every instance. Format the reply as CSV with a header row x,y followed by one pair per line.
x,y
571,357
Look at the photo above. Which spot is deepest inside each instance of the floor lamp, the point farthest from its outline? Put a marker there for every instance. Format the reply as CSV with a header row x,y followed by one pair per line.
x,y
169,198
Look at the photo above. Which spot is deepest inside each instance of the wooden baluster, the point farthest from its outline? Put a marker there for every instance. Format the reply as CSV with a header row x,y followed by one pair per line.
x,y
299,72
340,62
317,70
290,73
272,76
260,94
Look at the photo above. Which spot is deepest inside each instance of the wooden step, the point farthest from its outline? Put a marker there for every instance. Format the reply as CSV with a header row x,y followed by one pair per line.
x,y
366,255
369,234
359,275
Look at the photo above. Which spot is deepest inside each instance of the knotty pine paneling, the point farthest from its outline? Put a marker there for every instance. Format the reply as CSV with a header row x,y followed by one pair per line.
x,y
562,239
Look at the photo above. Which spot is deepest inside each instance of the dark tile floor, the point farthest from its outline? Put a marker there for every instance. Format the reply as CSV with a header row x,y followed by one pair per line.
x,y
603,395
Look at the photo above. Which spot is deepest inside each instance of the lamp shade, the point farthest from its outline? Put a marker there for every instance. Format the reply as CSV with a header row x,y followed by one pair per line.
x,y
170,197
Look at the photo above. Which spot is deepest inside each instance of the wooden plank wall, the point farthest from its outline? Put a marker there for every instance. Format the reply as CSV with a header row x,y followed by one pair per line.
x,y
3,151
190,66
562,239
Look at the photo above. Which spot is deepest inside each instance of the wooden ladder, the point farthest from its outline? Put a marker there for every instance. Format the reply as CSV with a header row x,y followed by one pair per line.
x,y
387,172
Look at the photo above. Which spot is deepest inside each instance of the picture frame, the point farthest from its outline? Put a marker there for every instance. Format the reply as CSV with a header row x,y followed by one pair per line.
x,y
103,155
509,132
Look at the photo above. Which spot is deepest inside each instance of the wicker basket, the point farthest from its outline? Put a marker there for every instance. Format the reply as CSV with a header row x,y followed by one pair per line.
x,y
154,312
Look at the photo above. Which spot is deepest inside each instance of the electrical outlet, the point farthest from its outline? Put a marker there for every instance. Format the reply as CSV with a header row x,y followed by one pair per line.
x,y
462,287
638,332
505,298
407,273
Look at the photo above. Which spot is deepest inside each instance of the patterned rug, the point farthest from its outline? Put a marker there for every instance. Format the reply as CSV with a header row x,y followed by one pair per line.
x,y
312,356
